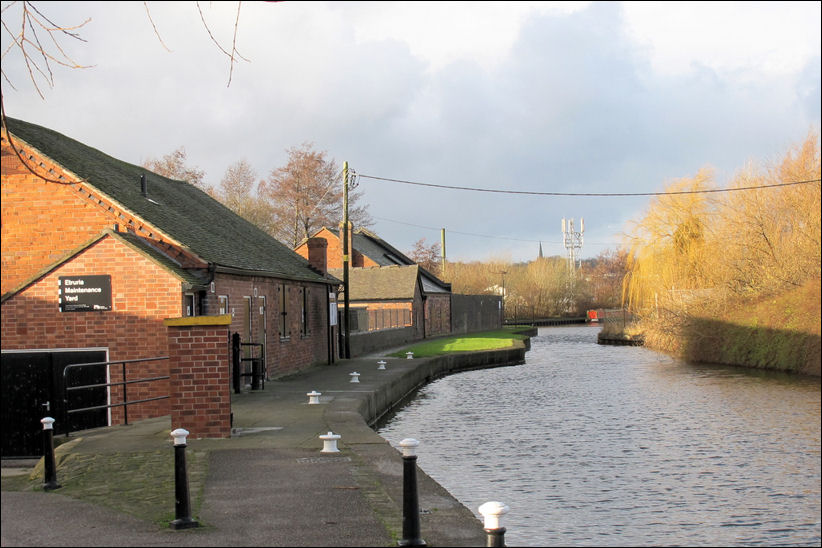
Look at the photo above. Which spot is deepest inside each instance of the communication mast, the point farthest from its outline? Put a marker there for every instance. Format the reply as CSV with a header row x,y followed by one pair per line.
x,y
573,241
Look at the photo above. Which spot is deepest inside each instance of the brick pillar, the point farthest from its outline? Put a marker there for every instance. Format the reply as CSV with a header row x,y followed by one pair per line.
x,y
199,367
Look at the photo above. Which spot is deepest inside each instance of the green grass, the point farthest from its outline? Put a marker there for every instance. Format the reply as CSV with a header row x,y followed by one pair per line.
x,y
475,342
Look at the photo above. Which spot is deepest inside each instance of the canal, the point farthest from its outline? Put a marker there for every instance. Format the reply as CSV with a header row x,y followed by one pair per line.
x,y
615,445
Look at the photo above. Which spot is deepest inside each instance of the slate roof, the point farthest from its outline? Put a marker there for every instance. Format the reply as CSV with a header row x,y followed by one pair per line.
x,y
182,211
380,283
384,254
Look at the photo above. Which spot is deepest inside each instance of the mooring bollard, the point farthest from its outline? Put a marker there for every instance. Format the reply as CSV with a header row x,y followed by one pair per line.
x,y
409,355
182,505
492,512
355,377
381,365
410,497
314,397
50,467
330,442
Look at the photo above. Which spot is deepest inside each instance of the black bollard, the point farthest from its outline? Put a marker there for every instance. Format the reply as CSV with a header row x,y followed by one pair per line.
x,y
182,506
235,362
410,497
50,474
492,512
495,538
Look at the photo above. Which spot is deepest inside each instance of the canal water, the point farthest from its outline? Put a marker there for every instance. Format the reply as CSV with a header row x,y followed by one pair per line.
x,y
614,445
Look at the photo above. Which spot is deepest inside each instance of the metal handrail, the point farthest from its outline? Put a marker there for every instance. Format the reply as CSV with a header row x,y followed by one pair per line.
x,y
124,383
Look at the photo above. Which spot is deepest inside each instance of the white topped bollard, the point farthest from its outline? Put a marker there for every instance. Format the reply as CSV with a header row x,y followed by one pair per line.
x,y
355,377
381,365
492,512
409,355
330,442
49,462
182,501
314,397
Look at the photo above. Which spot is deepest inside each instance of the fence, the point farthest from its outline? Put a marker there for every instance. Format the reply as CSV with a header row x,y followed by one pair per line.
x,y
124,383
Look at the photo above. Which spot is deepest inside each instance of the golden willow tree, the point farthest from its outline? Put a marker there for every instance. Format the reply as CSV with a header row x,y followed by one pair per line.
x,y
699,252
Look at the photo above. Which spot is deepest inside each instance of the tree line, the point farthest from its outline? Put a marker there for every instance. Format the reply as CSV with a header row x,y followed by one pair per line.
x,y
715,254
291,204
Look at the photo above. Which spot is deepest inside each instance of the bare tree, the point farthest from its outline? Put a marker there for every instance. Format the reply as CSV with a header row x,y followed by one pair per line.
x,y
174,166
307,194
39,41
238,192
427,256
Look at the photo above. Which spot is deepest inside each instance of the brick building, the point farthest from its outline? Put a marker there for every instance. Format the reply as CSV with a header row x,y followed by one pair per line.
x,y
382,280
97,253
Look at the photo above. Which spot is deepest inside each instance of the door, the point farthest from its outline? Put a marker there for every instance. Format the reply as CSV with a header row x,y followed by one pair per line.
x,y
32,388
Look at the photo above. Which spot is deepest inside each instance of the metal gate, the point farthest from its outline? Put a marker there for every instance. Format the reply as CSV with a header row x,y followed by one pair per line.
x,y
32,388
248,361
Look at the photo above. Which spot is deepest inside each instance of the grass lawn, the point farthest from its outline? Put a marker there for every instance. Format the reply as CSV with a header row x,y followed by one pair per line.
x,y
487,340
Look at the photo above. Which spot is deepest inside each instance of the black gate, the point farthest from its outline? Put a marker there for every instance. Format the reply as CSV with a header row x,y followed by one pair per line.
x,y
248,360
32,388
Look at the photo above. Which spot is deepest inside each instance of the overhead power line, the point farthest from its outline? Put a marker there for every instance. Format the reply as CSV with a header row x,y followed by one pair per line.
x,y
481,235
585,194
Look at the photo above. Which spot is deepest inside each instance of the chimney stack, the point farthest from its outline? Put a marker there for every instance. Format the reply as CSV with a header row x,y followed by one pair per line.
x,y
317,254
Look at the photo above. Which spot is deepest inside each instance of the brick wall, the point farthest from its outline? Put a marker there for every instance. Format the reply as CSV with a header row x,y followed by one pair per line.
x,y
199,368
143,294
44,221
293,350
334,251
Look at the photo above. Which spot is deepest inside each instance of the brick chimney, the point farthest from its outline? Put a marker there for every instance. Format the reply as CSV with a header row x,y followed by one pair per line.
x,y
317,256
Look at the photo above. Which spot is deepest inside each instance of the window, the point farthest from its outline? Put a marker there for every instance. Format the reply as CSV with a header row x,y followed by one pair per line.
x,y
188,305
282,290
222,304
304,312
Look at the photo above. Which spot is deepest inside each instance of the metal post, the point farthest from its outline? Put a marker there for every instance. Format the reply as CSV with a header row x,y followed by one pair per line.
x,y
182,506
410,497
235,361
50,474
125,395
492,512
256,373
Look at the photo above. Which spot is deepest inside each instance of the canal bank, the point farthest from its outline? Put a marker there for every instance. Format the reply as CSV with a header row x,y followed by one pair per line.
x,y
268,484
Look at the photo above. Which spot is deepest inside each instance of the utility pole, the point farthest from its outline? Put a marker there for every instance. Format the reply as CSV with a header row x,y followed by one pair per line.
x,y
347,347
442,238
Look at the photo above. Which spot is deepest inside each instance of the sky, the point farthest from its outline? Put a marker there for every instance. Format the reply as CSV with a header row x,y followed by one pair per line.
x,y
557,97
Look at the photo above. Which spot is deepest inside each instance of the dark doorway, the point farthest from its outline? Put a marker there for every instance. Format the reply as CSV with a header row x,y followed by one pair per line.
x,y
32,388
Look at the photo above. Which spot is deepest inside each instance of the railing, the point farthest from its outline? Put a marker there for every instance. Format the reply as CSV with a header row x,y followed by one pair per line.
x,y
258,365
124,383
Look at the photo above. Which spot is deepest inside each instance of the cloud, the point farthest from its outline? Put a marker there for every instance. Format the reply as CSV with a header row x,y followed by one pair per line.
x,y
592,97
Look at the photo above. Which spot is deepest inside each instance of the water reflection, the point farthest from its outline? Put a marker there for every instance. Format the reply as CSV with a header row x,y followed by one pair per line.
x,y
601,445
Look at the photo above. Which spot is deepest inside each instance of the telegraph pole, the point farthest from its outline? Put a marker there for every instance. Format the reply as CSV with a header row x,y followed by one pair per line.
x,y
442,238
347,347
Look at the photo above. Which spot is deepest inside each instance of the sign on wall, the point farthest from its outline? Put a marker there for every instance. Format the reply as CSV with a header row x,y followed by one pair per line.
x,y
332,309
85,293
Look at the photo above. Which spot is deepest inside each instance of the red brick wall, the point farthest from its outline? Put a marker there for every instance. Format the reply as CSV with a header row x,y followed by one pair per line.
x,y
44,221
199,368
143,294
285,354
